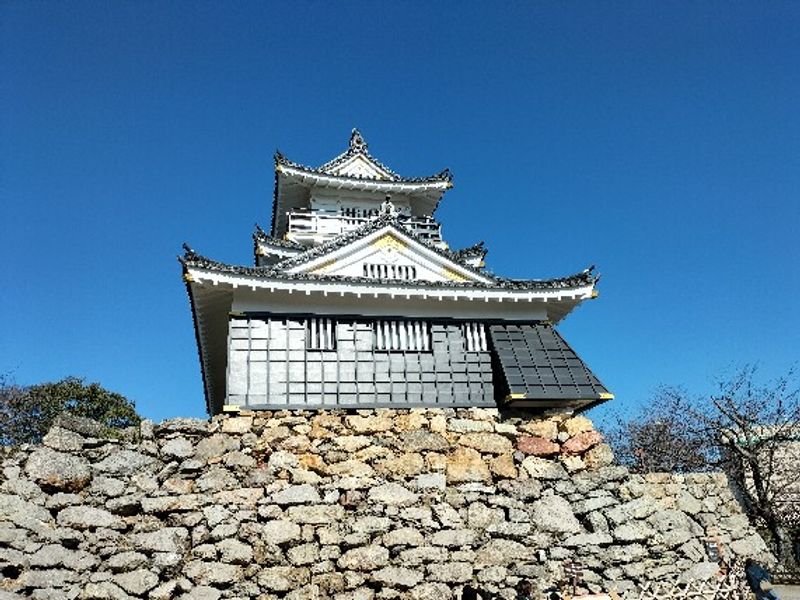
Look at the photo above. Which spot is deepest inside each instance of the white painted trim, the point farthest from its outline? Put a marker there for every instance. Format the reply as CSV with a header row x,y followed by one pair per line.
x,y
349,254
424,290
362,184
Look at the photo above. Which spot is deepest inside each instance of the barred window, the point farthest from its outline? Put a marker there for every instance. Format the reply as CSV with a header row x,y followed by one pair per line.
x,y
414,336
377,271
320,334
474,337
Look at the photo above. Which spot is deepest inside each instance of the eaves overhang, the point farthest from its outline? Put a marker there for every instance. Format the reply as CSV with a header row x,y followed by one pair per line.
x,y
293,185
557,303
210,306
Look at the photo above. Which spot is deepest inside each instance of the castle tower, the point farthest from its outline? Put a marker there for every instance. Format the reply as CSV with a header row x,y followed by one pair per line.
x,y
356,301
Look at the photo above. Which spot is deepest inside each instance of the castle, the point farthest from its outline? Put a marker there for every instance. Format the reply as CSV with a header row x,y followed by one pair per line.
x,y
356,301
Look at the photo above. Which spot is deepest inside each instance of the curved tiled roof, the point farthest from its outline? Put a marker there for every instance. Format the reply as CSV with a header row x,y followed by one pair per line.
x,y
259,235
478,249
191,258
359,146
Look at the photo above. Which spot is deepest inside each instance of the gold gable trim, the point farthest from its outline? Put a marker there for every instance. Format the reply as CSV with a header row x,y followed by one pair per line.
x,y
453,275
388,241
322,268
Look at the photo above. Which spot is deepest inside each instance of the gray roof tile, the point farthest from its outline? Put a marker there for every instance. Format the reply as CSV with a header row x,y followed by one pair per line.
x,y
541,369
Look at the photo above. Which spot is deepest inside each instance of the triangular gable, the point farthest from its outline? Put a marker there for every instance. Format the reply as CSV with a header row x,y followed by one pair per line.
x,y
385,253
361,166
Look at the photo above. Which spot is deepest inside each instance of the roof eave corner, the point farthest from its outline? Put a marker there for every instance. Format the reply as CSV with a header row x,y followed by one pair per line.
x,y
188,280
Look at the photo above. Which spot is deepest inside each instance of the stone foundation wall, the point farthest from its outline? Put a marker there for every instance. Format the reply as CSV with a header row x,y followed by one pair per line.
x,y
361,505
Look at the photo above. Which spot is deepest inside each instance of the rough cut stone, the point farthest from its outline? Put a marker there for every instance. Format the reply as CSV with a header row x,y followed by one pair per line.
x,y
88,517
397,576
180,503
405,465
200,592
503,466
371,524
183,425
466,464
354,468
58,471
599,456
581,442
543,428
104,590
405,536
352,443
55,555
540,468
316,515
429,481
480,516
632,532
537,446
469,426
234,551
280,531
454,538
88,428
125,462
136,582
168,539
178,447
554,513
215,446
211,573
364,558
452,572
237,424
491,443
126,561
392,494
576,425
304,554
371,424
421,440
588,539
63,440
501,552
297,494
431,591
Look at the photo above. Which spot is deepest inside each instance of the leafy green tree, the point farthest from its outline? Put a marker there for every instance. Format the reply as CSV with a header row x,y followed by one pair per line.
x,y
27,412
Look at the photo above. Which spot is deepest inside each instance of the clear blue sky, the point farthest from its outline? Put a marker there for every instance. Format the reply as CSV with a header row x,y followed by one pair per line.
x,y
658,140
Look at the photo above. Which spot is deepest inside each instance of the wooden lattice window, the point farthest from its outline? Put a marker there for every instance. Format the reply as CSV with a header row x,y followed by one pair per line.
x,y
474,337
384,271
320,334
413,336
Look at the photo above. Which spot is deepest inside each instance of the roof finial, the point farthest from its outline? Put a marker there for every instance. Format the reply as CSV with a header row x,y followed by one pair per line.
x,y
357,143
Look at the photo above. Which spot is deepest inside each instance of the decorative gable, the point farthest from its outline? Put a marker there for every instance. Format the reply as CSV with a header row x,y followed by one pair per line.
x,y
388,254
360,166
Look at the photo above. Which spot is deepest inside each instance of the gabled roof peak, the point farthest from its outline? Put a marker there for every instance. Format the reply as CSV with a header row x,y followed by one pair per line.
x,y
356,163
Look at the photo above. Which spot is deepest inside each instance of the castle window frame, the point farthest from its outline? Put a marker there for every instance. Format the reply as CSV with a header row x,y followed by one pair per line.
x,y
474,337
393,335
389,271
320,334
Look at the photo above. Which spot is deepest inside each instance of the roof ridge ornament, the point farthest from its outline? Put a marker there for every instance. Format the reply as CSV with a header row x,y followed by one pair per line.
x,y
388,207
357,141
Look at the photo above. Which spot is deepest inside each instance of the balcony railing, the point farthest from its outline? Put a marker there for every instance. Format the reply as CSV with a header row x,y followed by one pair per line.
x,y
304,225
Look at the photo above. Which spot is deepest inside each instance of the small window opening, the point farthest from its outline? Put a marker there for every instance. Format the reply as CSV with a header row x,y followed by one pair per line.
x,y
320,334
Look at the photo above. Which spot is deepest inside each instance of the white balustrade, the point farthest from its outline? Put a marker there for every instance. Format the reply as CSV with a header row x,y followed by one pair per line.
x,y
328,225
